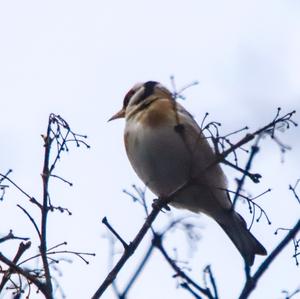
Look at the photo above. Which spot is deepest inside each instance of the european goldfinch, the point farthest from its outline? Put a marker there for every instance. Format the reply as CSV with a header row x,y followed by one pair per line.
x,y
171,155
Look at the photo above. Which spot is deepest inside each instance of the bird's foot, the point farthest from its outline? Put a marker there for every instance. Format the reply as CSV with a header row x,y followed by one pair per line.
x,y
159,203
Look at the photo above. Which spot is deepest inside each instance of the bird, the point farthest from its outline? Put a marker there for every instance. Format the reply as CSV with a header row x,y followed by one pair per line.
x,y
171,155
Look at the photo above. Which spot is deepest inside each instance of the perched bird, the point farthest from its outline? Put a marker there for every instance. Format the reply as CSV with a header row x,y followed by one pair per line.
x,y
171,155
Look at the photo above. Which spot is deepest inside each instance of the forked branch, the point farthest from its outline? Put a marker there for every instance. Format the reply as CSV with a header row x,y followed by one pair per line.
x,y
252,280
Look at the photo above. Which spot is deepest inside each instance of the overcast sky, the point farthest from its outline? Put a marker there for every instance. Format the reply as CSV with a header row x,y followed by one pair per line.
x,y
79,58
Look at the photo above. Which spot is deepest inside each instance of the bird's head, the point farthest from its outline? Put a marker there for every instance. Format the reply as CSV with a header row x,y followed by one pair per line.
x,y
139,94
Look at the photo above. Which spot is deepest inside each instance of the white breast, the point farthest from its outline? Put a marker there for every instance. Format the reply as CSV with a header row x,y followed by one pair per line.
x,y
159,156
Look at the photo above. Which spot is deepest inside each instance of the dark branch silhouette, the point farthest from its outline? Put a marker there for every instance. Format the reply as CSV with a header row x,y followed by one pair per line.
x,y
58,135
252,280
221,154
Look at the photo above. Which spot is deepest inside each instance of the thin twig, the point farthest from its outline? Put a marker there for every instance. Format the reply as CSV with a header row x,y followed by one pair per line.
x,y
160,203
62,179
293,189
252,281
288,295
106,223
186,286
22,248
212,281
137,272
31,220
41,286
11,236
45,209
179,272
254,151
32,199
250,136
255,177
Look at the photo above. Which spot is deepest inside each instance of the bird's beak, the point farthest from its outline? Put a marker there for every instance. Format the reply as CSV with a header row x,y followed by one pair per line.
x,y
119,114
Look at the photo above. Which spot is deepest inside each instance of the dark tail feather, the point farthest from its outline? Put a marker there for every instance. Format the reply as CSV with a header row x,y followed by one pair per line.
x,y
235,227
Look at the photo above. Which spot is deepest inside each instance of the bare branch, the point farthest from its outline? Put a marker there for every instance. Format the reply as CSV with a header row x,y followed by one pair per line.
x,y
267,129
179,273
31,198
293,189
3,187
26,274
106,223
137,272
252,281
11,236
212,280
179,94
254,151
62,179
255,177
186,286
128,252
288,295
58,134
22,248
31,220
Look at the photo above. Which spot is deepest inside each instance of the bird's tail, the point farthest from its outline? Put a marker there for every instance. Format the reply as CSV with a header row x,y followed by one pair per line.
x,y
235,227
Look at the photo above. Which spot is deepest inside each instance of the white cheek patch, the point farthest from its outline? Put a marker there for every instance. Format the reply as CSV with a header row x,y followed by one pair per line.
x,y
137,95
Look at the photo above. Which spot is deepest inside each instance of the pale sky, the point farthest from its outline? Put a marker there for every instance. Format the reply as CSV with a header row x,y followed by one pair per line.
x,y
79,58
